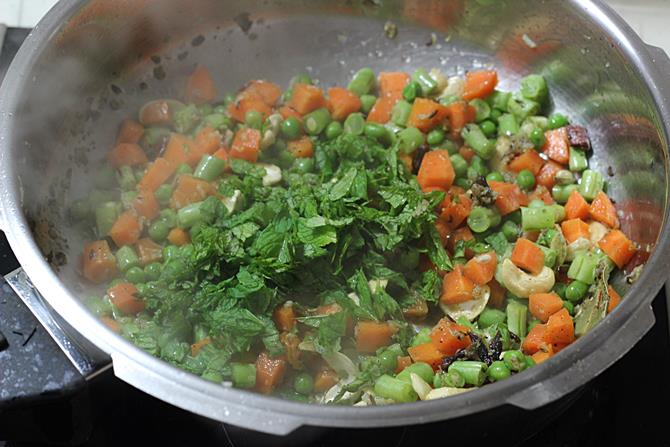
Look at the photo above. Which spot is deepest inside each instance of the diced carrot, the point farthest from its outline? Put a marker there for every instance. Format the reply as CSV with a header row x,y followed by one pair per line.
x,y
111,324
157,173
481,268
534,341
127,154
456,287
443,230
479,84
198,345
148,251
182,150
614,300
510,198
603,210
460,234
130,132
456,208
342,103
541,356
269,372
617,247
98,262
189,190
459,113
123,297
325,380
302,147
498,292
126,230
560,328
178,237
544,305
426,114
467,153
288,112
238,109
530,160
557,146
574,229
208,140
427,353
541,193
284,317
528,256
372,335
436,170
576,207
547,175
450,337
146,205
391,84
307,98
200,87
403,362
531,235
381,110
268,92
246,145
222,154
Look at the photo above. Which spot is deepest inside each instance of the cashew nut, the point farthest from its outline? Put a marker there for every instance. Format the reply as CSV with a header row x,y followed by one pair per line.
x,y
523,284
233,202
597,231
272,174
455,87
438,77
576,246
271,131
445,391
469,309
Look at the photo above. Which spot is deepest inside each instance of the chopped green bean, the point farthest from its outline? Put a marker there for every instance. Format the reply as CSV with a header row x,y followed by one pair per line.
x,y
427,83
400,112
315,122
577,160
499,100
497,371
537,218
126,258
516,318
391,388
474,373
209,168
591,184
576,291
333,130
534,87
363,82
411,91
354,124
243,375
367,102
423,370
482,108
514,360
105,216
481,219
489,317
508,125
410,139
475,138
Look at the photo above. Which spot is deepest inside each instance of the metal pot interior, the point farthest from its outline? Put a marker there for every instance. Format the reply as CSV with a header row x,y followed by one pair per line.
x,y
108,58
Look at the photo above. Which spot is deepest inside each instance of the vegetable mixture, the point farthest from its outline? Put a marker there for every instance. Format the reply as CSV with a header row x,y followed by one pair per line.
x,y
406,237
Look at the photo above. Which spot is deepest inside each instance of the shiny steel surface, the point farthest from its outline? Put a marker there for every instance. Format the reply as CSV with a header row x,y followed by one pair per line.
x,y
89,64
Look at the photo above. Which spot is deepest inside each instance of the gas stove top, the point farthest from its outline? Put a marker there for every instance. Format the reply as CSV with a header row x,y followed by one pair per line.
x,y
619,407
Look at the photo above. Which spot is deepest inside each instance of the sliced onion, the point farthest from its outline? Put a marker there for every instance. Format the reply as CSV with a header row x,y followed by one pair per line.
x,y
439,393
420,386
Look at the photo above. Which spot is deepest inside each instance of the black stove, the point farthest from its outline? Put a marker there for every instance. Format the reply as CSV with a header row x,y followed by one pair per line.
x,y
42,402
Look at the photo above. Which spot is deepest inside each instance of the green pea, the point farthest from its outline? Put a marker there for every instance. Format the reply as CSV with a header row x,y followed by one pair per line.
x,y
459,164
367,102
333,130
304,165
526,180
435,137
163,194
495,176
576,290
253,119
569,307
169,217
514,360
158,231
135,275
153,271
286,159
511,231
529,362
291,128
183,169
411,91
375,131
303,384
498,371
489,128
557,120
495,114
170,252
388,360
559,288
537,138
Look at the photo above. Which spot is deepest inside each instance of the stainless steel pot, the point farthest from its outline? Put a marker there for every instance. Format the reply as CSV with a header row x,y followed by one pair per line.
x,y
89,64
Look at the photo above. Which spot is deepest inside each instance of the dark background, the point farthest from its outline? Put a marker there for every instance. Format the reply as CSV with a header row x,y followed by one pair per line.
x,y
624,406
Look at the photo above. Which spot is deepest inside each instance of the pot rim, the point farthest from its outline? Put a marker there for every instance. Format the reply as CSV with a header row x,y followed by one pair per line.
x,y
231,405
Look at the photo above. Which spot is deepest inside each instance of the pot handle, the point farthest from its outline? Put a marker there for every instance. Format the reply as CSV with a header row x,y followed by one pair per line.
x,y
84,356
543,392
140,376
